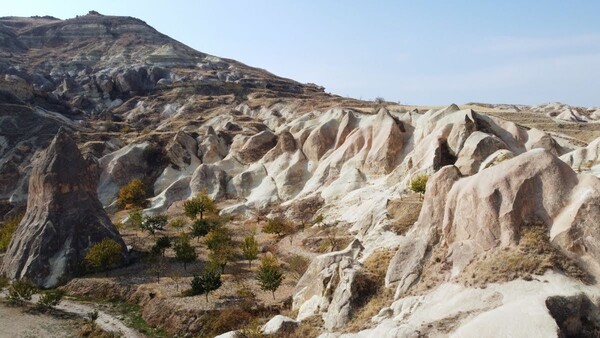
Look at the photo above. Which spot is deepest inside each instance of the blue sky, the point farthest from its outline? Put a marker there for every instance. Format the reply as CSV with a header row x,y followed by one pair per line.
x,y
415,52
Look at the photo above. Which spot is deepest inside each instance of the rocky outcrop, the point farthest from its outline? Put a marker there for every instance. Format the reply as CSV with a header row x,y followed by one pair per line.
x,y
585,159
576,316
279,325
64,217
325,286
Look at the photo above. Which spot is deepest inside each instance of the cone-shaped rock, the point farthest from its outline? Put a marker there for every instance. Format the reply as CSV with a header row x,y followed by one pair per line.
x,y
64,217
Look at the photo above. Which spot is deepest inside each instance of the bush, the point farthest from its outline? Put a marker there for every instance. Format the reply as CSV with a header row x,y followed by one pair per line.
x,y
162,243
7,231
250,249
152,224
20,291
278,226
3,282
177,223
199,205
208,281
105,254
132,195
269,275
218,238
419,184
135,218
50,298
298,265
202,227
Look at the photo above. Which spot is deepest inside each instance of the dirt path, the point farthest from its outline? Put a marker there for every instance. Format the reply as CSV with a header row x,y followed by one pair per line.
x,y
105,321
16,323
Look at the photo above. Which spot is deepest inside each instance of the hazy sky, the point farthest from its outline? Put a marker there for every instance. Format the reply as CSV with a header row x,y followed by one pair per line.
x,y
416,52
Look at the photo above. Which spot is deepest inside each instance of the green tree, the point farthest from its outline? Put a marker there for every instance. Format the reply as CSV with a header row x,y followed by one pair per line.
x,y
218,237
269,274
250,249
208,281
220,256
184,251
132,195
161,245
202,227
157,265
105,254
419,184
135,218
152,224
7,231
199,205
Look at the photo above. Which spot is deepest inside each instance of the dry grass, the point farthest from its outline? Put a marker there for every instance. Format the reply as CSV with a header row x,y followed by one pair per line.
x,y
404,213
435,268
369,290
309,327
534,255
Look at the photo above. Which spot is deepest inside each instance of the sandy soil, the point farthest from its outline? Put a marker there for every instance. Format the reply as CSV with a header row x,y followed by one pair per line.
x,y
16,323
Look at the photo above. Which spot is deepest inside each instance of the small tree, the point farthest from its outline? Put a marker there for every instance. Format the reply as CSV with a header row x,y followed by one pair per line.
x,y
135,218
208,281
250,249
105,254
220,256
132,195
161,245
157,266
217,238
419,184
269,274
184,251
199,205
278,226
152,224
202,227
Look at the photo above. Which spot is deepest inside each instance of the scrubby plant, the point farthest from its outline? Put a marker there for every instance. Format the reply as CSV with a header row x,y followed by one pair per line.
x,y
199,205
250,249
7,231
217,238
152,224
135,218
419,184
177,223
269,274
133,195
20,291
4,282
161,245
202,227
297,264
105,254
50,298
208,281
184,251
278,226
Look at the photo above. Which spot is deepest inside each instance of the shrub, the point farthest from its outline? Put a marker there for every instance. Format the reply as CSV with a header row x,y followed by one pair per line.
x,y
250,249
162,243
269,275
221,256
208,281
105,254
419,184
199,205
177,223
184,251
132,195
278,226
7,231
135,218
50,298
217,238
3,282
152,224
202,227
20,291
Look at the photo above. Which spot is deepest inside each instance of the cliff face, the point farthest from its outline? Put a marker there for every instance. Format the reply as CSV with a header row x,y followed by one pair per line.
x,y
64,217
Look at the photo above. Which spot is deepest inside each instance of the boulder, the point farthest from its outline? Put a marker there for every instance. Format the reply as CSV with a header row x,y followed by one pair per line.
x,y
64,217
279,324
475,150
256,146
209,178
576,316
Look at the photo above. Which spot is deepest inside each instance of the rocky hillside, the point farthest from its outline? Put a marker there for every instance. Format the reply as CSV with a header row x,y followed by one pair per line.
x,y
507,228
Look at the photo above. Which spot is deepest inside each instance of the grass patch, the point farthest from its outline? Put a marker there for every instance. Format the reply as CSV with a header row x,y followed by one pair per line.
x,y
534,255
132,317
369,290
403,213
7,231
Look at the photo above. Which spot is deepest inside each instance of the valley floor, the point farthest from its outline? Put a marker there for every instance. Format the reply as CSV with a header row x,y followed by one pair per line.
x,y
15,322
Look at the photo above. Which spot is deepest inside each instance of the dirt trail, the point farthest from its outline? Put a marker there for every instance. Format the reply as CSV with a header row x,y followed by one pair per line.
x,y
105,321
